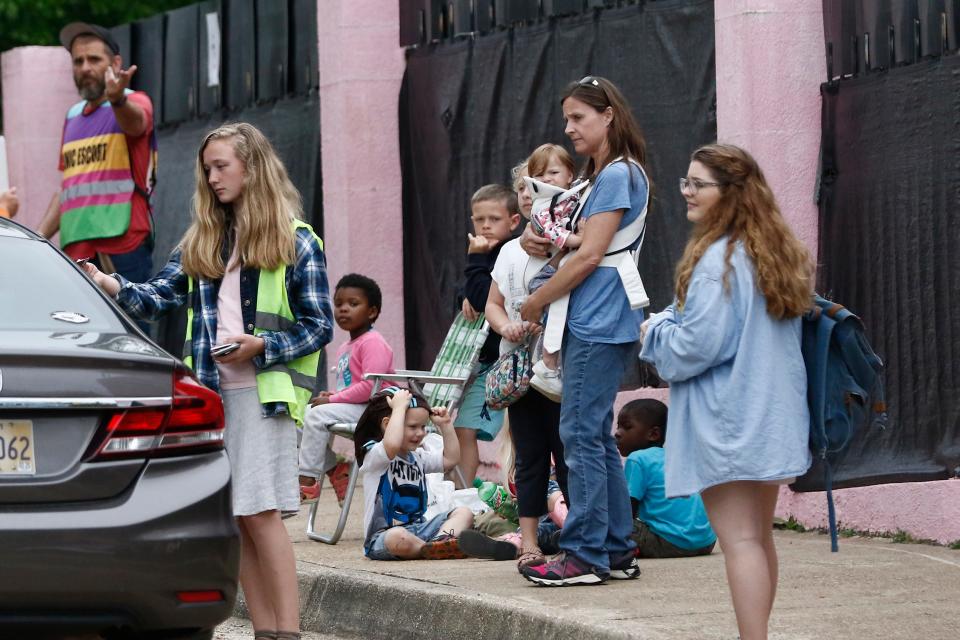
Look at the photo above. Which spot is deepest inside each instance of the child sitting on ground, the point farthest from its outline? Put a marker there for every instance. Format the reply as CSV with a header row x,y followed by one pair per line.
x,y
394,461
662,528
551,164
356,304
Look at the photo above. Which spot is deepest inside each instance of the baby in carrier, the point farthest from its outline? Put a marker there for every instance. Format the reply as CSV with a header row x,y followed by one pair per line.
x,y
551,171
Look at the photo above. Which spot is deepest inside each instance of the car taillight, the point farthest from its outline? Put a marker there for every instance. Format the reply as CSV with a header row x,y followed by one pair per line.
x,y
194,422
200,597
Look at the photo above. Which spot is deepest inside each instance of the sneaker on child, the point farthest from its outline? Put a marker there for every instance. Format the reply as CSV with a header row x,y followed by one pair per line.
x,y
547,381
563,570
444,546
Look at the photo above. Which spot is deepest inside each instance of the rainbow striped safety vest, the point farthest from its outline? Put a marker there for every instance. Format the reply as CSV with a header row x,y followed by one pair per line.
x,y
98,183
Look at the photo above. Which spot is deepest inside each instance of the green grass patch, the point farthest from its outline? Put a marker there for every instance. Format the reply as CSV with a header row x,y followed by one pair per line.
x,y
899,536
902,537
790,524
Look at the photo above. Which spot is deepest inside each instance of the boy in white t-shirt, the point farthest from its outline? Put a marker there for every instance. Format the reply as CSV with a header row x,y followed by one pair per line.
x,y
395,455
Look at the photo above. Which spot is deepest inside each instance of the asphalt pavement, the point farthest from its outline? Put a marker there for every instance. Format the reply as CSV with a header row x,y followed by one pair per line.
x,y
872,588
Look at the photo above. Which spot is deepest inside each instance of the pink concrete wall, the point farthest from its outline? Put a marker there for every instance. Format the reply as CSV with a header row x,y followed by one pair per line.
x,y
361,66
770,63
925,510
37,91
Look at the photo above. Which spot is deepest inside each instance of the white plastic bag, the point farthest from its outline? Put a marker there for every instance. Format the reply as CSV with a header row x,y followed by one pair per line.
x,y
471,499
439,495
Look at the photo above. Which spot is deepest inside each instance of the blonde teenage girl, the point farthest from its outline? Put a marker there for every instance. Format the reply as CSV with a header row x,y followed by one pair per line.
x,y
253,275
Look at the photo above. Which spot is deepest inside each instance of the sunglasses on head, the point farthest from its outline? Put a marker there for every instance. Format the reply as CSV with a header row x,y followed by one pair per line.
x,y
392,391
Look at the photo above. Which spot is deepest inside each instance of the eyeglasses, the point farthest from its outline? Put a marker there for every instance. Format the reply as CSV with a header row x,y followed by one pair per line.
x,y
694,185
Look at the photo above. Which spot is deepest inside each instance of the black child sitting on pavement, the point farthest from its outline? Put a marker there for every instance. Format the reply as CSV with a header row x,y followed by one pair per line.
x,y
662,527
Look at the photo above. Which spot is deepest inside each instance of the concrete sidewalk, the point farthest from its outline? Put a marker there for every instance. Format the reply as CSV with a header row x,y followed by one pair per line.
x,y
873,588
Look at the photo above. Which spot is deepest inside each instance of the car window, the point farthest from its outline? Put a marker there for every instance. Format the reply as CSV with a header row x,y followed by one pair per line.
x,y
38,285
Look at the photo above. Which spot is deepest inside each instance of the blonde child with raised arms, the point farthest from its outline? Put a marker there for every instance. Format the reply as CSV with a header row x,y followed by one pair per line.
x,y
395,454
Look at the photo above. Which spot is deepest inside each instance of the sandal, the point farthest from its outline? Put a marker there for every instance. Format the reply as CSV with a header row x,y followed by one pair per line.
x,y
264,634
288,635
530,557
310,493
340,479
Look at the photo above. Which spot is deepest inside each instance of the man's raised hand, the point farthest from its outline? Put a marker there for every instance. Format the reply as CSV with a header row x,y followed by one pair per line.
x,y
118,82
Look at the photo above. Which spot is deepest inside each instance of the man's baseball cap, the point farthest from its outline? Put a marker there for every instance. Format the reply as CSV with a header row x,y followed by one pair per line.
x,y
70,32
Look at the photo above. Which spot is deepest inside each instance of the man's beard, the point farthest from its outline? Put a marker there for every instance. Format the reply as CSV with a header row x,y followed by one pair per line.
x,y
91,89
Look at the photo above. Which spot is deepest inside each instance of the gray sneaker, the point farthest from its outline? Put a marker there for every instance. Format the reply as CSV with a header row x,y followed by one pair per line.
x,y
625,566
547,381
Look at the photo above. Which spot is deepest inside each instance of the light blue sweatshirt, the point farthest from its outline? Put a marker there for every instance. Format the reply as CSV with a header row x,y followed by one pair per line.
x,y
738,386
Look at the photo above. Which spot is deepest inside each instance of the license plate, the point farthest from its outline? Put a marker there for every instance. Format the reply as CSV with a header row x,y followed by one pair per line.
x,y
17,455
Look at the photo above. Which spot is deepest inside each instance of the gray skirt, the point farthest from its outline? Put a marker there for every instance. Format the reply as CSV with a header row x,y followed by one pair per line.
x,y
263,456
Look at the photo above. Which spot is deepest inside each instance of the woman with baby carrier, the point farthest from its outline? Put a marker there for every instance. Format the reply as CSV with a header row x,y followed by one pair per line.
x,y
602,324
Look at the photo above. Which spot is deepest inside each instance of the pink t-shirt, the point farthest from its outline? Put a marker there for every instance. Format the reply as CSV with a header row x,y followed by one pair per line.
x,y
235,375
369,353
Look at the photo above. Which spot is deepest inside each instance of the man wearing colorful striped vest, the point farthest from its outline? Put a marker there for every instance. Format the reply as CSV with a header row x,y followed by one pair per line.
x,y
108,152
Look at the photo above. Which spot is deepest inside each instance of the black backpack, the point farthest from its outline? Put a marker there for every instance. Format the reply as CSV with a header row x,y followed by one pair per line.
x,y
844,389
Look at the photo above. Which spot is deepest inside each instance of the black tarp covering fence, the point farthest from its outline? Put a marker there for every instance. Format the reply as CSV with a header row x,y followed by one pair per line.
x,y
865,35
890,252
471,110
215,54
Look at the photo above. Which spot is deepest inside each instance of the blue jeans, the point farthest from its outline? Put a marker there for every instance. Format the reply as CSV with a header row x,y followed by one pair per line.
x,y
426,530
136,265
599,521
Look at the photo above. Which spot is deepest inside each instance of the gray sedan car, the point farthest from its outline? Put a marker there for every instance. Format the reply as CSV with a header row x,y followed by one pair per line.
x,y
115,515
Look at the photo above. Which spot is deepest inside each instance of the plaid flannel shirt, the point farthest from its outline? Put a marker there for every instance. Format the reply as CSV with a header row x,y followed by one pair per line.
x,y
307,291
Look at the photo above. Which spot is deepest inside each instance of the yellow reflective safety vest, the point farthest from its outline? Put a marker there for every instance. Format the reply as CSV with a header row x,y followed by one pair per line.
x,y
291,382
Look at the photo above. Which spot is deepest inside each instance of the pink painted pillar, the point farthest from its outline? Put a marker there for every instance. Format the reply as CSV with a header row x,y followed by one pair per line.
x,y
37,91
770,63
361,67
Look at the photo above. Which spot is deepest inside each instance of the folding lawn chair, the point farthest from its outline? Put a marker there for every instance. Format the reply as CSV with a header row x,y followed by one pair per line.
x,y
442,386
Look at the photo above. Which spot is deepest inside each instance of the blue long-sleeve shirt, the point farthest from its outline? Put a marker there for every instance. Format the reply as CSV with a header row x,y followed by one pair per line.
x,y
308,294
738,386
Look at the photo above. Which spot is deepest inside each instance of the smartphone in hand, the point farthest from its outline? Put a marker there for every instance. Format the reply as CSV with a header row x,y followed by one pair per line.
x,y
221,350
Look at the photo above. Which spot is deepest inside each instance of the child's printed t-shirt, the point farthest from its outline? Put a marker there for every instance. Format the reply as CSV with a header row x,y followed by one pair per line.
x,y
395,491
680,521
368,353
512,272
